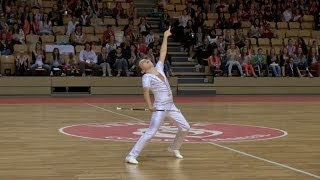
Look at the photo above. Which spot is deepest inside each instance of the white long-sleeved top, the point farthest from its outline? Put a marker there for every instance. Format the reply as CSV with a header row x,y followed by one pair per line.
x,y
88,56
160,89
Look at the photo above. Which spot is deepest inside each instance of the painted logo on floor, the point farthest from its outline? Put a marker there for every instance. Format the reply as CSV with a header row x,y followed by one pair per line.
x,y
199,132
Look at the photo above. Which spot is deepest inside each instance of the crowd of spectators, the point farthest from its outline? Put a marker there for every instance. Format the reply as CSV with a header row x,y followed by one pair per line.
x,y
223,45
231,40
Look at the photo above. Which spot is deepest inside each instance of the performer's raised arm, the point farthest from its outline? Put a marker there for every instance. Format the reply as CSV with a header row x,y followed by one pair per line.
x,y
163,50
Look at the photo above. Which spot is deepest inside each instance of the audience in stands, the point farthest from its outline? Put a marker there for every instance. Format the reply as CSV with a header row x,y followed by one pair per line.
x,y
39,60
88,60
218,31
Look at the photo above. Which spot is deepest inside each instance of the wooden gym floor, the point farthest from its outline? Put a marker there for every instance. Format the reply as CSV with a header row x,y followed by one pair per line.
x,y
33,148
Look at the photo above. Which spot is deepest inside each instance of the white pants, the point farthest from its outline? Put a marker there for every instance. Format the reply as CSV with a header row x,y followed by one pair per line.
x,y
156,121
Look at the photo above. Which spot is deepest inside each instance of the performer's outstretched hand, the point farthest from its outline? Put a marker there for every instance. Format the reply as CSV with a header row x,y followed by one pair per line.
x,y
167,33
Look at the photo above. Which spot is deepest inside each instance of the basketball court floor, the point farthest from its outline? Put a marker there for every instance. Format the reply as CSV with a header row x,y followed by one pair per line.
x,y
245,138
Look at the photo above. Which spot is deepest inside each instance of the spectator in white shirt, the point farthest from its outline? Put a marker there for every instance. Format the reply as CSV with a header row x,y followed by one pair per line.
x,y
88,60
287,15
291,48
150,37
112,44
45,26
183,20
72,25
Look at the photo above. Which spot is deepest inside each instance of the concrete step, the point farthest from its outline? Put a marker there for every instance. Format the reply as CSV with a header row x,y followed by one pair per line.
x,y
144,5
175,49
179,54
193,80
174,44
183,64
149,10
179,58
190,74
200,90
197,85
184,69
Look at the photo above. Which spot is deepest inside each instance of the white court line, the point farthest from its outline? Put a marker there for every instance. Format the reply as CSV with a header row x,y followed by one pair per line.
x,y
120,114
224,147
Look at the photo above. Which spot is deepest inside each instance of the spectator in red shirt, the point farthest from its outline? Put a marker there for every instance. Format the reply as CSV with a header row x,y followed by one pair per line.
x,y
107,34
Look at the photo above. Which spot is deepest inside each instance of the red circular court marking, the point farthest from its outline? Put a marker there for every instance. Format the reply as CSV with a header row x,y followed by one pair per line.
x,y
199,132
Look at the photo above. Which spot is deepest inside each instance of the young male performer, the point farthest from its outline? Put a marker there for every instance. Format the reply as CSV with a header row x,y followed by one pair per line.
x,y
155,80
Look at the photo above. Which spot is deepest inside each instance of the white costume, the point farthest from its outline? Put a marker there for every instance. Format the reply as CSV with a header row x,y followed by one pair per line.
x,y
162,101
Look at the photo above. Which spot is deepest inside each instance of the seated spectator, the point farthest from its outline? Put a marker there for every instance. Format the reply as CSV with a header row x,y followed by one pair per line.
x,y
273,62
190,11
11,15
165,20
39,15
71,68
121,63
199,36
150,55
287,14
72,25
107,34
183,22
39,59
284,58
233,55
291,68
228,37
221,22
88,60
104,61
84,19
65,10
118,11
234,21
314,45
22,65
214,62
126,47
240,38
91,13
132,61
256,29
267,32
6,46
291,48
56,63
314,61
144,26
105,11
260,62
203,52
246,62
142,47
78,37
45,26
301,44
301,62
31,25
18,36
149,38
112,44
189,37
56,16
167,66
128,29
131,11
212,37
297,15
36,4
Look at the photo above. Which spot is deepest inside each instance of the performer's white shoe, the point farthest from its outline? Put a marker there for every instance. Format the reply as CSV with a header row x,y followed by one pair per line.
x,y
176,153
131,160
